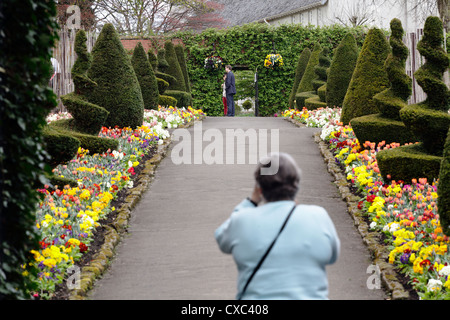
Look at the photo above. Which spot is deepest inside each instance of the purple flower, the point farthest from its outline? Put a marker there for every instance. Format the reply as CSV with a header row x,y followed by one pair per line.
x,y
405,258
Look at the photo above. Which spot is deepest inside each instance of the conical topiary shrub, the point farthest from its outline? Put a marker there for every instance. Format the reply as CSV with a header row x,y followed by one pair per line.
x,y
319,99
174,68
117,89
63,137
386,125
369,77
341,70
305,88
429,121
162,62
299,71
179,50
146,77
152,59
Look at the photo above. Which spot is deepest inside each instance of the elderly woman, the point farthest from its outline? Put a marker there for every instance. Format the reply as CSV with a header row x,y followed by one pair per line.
x,y
294,268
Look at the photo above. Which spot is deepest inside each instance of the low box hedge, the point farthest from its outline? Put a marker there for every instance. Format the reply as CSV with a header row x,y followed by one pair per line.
x,y
376,128
408,162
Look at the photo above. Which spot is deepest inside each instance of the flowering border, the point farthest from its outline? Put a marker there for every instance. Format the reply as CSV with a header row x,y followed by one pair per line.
x,y
67,233
405,214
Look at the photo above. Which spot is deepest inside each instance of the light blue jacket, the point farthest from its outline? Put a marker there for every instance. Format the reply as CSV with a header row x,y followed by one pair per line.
x,y
295,267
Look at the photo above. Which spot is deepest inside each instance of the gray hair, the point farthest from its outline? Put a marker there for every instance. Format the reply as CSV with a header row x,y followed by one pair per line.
x,y
284,183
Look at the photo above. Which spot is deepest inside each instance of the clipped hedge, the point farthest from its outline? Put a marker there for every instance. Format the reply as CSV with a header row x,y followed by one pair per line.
x,y
162,85
179,50
306,84
320,83
300,98
341,70
61,146
28,34
183,98
386,126
299,71
429,121
174,68
376,128
408,162
248,45
117,89
87,117
146,77
163,65
167,101
369,77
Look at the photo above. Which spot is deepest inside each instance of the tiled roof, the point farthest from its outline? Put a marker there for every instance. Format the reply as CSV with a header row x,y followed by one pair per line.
x,y
239,12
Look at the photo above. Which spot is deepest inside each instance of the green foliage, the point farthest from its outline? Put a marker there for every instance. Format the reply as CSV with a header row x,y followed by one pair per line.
x,y
376,128
314,102
428,126
183,98
245,84
386,126
146,77
430,120
300,98
341,70
162,85
369,77
247,105
87,117
84,59
171,81
299,71
319,101
321,69
167,101
174,68
248,45
61,146
27,36
153,60
179,50
117,89
444,188
162,62
408,162
306,84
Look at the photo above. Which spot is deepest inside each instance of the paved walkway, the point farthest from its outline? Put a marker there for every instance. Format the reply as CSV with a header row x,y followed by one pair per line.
x,y
170,252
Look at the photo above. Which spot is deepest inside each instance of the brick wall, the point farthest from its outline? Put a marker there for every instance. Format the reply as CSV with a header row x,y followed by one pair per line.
x,y
130,44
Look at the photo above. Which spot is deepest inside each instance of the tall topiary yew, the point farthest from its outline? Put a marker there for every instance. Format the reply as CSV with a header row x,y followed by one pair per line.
x,y
368,78
117,89
179,50
305,88
174,68
299,71
146,77
341,70
386,125
429,120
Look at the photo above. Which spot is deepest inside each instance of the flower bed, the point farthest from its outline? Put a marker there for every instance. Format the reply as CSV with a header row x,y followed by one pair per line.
x,y
405,214
67,217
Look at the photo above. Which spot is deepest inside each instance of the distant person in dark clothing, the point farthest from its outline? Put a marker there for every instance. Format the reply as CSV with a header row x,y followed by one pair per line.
x,y
224,96
230,89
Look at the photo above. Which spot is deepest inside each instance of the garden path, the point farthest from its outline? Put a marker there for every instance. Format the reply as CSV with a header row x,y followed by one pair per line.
x,y
170,252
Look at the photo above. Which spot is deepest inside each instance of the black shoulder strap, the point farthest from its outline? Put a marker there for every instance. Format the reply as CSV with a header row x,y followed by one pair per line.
x,y
265,254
